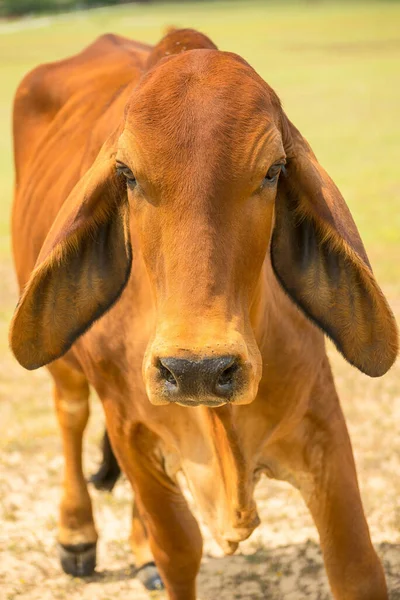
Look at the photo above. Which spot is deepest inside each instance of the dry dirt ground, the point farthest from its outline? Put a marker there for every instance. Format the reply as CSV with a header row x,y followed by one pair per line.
x,y
281,560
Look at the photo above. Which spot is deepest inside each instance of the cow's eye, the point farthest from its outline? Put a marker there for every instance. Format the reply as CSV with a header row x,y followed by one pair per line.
x,y
273,173
127,173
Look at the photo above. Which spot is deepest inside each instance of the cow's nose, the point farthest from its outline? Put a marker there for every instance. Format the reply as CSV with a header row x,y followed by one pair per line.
x,y
192,381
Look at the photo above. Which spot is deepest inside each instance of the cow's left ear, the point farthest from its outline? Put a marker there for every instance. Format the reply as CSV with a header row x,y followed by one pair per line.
x,y
319,259
82,268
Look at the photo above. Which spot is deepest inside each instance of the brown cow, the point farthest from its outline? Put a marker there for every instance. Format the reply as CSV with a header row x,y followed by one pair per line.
x,y
156,177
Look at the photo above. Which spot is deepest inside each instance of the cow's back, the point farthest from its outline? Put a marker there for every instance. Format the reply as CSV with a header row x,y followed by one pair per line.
x,y
63,112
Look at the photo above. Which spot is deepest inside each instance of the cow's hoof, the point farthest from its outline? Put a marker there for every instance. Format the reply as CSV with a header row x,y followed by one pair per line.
x,y
79,560
149,576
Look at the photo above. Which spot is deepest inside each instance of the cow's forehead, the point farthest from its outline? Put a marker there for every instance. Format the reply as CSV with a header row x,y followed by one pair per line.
x,y
202,98
199,85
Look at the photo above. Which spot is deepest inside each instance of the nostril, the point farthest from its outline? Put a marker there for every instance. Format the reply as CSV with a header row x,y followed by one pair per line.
x,y
167,374
227,375
226,380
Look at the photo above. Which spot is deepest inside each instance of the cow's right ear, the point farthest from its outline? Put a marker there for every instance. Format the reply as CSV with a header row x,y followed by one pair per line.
x,y
82,268
319,258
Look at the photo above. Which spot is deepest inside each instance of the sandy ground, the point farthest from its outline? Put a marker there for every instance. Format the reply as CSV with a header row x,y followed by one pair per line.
x,y
281,560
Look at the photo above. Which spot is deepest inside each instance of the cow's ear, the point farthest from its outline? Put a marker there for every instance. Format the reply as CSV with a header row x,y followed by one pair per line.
x,y
319,259
82,268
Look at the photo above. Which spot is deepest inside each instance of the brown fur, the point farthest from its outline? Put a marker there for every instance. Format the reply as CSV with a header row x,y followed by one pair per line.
x,y
199,129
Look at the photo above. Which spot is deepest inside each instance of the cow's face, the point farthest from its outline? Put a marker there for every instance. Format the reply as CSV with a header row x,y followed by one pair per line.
x,y
196,169
202,153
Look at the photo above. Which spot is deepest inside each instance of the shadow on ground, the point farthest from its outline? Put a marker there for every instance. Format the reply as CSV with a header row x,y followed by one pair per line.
x,y
291,572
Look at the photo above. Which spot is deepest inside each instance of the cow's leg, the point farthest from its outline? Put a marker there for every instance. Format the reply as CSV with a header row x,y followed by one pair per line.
x,y
174,536
173,533
321,462
76,534
105,479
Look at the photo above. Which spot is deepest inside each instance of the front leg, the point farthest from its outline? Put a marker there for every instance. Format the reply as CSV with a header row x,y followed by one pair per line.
x,y
105,479
77,535
318,459
173,533
354,570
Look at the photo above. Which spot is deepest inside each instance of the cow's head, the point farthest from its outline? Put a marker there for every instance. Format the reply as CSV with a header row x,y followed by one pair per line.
x,y
213,178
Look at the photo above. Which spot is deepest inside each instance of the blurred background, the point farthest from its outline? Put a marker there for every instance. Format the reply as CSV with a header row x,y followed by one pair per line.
x,y
336,67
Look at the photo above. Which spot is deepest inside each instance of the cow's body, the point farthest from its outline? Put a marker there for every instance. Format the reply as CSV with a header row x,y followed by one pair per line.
x,y
294,428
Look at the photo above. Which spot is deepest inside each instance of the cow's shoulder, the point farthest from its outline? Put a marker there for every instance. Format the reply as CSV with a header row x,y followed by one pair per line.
x,y
89,79
109,59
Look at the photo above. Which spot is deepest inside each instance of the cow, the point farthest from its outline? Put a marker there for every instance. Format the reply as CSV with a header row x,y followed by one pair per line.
x,y
179,248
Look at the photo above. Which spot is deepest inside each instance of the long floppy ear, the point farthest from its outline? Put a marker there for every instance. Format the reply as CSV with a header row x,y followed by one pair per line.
x,y
82,268
319,259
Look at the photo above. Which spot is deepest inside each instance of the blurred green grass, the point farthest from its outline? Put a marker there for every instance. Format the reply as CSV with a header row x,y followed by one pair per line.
x,y
335,66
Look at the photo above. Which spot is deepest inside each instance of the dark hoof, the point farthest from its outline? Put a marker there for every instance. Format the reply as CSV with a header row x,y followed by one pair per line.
x,y
79,560
149,577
